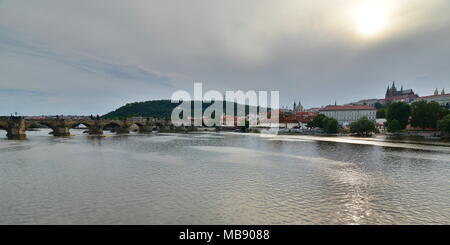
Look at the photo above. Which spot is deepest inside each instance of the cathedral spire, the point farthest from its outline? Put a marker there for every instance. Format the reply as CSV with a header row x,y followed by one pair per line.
x,y
436,92
443,92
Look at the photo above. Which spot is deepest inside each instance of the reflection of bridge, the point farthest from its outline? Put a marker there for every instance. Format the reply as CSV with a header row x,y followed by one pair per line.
x,y
17,126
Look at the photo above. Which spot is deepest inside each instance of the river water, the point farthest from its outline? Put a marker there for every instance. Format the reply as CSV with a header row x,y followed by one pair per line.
x,y
221,178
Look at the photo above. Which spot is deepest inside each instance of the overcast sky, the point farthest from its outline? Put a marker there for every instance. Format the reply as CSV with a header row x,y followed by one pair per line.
x,y
90,57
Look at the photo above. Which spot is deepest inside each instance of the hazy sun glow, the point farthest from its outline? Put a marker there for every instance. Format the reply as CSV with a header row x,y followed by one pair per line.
x,y
371,18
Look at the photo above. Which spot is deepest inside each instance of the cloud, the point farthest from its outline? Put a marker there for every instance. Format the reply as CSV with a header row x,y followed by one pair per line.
x,y
50,78
123,51
85,63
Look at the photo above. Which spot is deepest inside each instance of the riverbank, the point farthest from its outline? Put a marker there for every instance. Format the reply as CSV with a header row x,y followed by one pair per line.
x,y
381,141
410,136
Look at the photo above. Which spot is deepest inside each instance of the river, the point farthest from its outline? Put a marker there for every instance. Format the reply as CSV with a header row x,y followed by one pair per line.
x,y
221,178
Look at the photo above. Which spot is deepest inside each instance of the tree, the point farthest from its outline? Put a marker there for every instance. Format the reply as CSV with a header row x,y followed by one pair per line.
x,y
444,124
446,112
435,113
378,106
362,127
381,113
394,126
330,125
317,122
399,111
426,114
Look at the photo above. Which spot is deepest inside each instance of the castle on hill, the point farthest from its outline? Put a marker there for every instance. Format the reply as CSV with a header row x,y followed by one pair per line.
x,y
393,94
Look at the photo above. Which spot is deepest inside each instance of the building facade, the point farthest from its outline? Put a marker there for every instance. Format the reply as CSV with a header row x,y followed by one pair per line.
x,y
348,114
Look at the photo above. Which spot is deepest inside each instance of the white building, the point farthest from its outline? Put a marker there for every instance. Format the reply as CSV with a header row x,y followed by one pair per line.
x,y
443,99
349,113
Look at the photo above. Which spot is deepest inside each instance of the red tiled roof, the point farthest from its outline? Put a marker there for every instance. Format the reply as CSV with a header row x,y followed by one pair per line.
x,y
431,96
298,117
347,108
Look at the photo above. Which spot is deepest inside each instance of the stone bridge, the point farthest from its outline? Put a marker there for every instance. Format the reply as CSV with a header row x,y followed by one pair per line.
x,y
16,126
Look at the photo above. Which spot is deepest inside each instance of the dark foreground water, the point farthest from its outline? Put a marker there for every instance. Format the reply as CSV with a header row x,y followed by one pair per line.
x,y
221,179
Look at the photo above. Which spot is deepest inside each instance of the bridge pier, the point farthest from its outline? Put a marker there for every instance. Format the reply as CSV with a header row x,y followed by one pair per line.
x,y
16,128
95,129
61,131
122,130
165,129
146,129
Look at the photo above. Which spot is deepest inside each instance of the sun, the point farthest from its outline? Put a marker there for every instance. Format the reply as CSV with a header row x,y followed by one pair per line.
x,y
371,18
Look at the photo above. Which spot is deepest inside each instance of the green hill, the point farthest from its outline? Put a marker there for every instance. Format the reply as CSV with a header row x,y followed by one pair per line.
x,y
155,109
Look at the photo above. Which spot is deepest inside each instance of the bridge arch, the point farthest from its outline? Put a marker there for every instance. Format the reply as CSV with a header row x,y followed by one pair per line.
x,y
47,124
136,125
90,127
77,124
112,126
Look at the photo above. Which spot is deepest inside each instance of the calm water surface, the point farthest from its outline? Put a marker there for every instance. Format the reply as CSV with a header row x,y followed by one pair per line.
x,y
221,179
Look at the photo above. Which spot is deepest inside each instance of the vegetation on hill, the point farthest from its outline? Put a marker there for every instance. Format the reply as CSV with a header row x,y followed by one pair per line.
x,y
160,109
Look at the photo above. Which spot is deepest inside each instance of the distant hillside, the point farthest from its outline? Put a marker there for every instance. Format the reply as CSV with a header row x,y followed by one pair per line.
x,y
154,109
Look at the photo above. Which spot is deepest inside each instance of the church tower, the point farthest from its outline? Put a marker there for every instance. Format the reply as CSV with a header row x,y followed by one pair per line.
x,y
393,89
300,106
436,92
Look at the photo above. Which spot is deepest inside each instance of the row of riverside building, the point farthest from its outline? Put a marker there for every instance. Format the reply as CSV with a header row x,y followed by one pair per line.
x,y
346,114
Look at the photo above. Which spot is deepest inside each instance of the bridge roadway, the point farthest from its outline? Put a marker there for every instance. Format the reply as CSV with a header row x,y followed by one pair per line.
x,y
16,127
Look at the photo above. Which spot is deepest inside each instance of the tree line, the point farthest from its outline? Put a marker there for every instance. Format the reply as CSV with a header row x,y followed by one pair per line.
x,y
361,127
420,114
